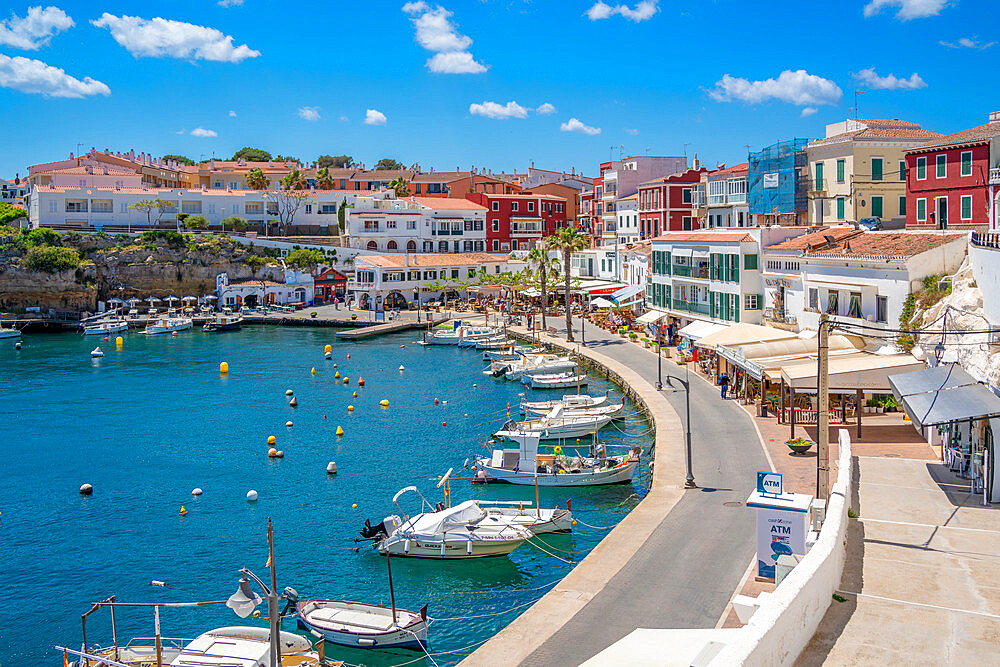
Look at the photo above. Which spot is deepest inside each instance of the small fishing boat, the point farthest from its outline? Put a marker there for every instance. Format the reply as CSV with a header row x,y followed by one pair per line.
x,y
568,401
534,364
96,352
512,353
525,466
556,425
223,322
105,328
363,625
471,338
9,333
168,325
614,410
555,380
494,343
462,531
539,521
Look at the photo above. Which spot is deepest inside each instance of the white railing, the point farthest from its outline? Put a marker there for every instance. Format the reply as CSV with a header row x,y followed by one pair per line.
x,y
995,176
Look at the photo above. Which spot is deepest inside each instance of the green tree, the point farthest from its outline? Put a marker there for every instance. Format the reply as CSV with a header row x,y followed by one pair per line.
x,y
401,187
196,222
337,161
388,163
43,236
255,262
10,213
51,259
182,216
235,223
294,180
256,180
145,206
304,258
252,154
543,267
567,241
342,216
323,180
286,204
287,158
180,158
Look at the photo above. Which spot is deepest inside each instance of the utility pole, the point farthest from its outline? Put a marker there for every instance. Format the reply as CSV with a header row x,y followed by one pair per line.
x,y
823,412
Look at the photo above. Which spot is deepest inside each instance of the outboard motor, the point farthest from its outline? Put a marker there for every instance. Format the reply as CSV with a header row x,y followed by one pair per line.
x,y
370,532
501,371
291,600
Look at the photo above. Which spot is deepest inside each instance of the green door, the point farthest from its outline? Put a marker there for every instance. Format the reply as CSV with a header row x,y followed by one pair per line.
x,y
877,206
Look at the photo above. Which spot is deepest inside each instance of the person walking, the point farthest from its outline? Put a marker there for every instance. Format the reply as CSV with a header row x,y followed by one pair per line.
x,y
724,384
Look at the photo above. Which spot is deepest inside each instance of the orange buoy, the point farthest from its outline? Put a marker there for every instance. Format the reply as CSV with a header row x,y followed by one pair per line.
x,y
183,511
444,423
361,382
436,401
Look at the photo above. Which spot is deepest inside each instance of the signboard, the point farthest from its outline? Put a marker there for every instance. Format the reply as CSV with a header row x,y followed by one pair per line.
x,y
778,282
769,483
771,180
779,532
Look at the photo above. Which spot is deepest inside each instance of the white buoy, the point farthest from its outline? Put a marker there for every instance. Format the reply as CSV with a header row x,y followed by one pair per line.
x,y
328,355
86,490
289,392
251,495
288,424
331,467
196,492
401,367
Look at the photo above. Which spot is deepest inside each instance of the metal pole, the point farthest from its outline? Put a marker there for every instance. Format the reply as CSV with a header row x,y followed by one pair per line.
x,y
156,635
659,368
392,592
272,600
823,415
689,482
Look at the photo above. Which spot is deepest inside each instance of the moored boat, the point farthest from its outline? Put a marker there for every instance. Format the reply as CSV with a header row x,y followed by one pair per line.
x,y
363,625
526,466
568,401
555,425
9,333
614,410
167,325
105,328
223,322
555,380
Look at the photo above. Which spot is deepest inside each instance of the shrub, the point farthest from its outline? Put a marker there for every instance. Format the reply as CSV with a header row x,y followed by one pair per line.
x,y
304,257
196,222
43,236
51,259
234,222
633,336
170,237
255,262
10,213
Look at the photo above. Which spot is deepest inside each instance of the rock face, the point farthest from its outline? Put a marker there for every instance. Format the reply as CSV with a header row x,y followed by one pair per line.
x,y
140,269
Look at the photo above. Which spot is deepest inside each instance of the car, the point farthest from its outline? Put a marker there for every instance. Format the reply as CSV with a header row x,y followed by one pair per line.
x,y
871,224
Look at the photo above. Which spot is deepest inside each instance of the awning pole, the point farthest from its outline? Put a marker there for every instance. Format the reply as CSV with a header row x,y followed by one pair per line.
x,y
860,398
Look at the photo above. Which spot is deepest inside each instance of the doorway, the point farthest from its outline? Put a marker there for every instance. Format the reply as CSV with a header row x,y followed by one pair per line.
x,y
942,212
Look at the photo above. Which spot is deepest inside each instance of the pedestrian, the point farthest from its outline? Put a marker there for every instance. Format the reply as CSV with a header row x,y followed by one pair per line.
x,y
336,303
529,321
724,383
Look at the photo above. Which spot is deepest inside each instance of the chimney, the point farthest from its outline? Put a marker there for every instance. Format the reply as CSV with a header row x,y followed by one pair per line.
x,y
131,154
71,155
995,116
572,171
211,164
270,163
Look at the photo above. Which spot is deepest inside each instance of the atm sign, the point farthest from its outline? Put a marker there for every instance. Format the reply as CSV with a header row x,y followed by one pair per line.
x,y
769,483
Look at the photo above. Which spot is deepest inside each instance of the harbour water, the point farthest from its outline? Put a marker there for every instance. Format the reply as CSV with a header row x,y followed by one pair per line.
x,y
150,422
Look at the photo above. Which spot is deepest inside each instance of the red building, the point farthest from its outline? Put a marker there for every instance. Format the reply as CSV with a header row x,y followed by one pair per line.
x,y
954,182
329,284
667,203
517,221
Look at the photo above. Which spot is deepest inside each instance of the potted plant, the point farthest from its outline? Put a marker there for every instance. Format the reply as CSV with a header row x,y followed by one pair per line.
x,y
870,405
890,404
655,347
633,336
645,342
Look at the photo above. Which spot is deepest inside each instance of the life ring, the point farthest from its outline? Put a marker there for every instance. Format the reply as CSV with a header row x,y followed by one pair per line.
x,y
558,449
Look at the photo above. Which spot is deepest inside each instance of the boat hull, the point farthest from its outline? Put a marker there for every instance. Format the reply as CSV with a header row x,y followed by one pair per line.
x,y
10,333
561,383
105,330
618,475
212,327
454,548
410,633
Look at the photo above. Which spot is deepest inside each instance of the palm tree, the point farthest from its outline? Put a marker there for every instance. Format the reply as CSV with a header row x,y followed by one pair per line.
x,y
567,241
543,267
323,180
401,187
294,181
256,180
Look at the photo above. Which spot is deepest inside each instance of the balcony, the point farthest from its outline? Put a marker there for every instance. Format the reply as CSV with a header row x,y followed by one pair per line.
x,y
818,186
779,318
690,271
692,307
995,176
736,198
527,228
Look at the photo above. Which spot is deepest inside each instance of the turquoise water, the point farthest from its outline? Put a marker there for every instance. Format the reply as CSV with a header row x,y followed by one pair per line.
x,y
147,424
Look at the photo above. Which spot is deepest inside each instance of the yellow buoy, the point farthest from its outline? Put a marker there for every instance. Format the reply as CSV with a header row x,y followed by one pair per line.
x,y
346,380
355,395
224,367
350,408
384,402
337,374
183,511
348,355
271,440
355,506
340,431
328,348
119,341
313,371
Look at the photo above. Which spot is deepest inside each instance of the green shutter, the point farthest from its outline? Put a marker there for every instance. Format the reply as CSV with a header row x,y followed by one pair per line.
x,y
734,260
966,207
877,206
902,170
819,176
876,169
736,301
967,163
841,166
840,208
921,168
668,270
750,262
666,295
902,204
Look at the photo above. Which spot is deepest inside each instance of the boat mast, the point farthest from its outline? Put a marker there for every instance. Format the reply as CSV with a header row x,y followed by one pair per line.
x,y
392,592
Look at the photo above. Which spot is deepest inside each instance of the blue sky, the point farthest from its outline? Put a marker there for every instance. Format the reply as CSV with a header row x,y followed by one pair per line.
x,y
436,81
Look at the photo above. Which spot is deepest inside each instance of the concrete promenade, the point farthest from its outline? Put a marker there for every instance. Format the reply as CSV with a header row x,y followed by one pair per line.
x,y
677,564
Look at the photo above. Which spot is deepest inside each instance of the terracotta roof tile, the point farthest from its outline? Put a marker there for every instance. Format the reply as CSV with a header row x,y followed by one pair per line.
x,y
974,135
815,239
741,168
849,242
706,236
447,203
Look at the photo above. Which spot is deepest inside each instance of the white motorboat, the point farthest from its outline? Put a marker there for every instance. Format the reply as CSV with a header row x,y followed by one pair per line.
x,y
556,425
534,364
444,336
555,380
96,352
472,337
168,324
539,521
9,333
494,343
614,410
363,625
462,531
568,401
105,328
526,466
512,353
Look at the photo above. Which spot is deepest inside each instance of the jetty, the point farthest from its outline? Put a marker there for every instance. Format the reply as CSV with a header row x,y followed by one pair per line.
x,y
388,327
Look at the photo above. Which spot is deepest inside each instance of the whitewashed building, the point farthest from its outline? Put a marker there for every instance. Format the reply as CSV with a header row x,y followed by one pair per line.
x,y
627,219
417,225
855,276
297,289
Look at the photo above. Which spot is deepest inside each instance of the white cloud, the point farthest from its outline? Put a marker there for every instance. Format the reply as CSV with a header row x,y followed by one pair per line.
x,y
498,111
34,76
344,118
455,62
230,3
967,43
808,111
546,109
798,87
435,32
643,11
374,117
309,113
232,114
162,38
632,130
574,125
908,9
181,131
202,132
890,81
36,29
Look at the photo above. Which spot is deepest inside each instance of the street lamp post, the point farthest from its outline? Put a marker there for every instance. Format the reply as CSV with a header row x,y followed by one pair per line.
x,y
659,369
416,297
689,482
244,599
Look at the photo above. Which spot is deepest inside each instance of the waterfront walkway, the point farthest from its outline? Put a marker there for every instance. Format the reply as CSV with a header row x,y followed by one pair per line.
x,y
685,571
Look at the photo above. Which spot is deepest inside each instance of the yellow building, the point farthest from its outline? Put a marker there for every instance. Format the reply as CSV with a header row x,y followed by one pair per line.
x,y
859,170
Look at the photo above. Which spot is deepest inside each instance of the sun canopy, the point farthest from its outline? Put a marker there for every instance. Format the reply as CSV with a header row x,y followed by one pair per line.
x,y
627,293
698,329
942,395
850,372
601,302
650,317
742,334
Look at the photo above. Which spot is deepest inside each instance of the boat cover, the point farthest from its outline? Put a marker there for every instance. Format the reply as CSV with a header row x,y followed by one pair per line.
x,y
461,515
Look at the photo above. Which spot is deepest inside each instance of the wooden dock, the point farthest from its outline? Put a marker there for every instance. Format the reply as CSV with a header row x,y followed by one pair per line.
x,y
387,327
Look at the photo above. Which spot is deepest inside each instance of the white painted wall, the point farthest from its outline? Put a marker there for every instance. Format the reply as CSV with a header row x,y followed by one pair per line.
x,y
986,268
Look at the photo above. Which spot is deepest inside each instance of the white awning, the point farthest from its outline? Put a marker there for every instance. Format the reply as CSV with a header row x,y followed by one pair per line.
x,y
700,254
627,293
743,334
698,329
682,252
839,285
651,317
601,302
862,370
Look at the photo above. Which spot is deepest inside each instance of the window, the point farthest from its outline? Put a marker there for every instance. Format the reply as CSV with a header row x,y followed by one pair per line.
x,y
921,168
966,163
902,170
531,206
921,210
122,208
881,309
686,223
751,302
454,273
211,208
496,245
496,206
942,166
832,302
902,204
814,298
496,225
966,207
411,224
877,169
841,205
819,177
877,206
390,224
841,168
686,196
854,306
750,262
513,206
53,207
477,225
411,246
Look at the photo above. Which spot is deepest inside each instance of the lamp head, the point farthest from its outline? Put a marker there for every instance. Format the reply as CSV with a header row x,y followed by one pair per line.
x,y
938,351
243,600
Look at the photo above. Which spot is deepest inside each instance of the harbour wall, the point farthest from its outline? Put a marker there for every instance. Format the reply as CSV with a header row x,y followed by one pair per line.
x,y
543,619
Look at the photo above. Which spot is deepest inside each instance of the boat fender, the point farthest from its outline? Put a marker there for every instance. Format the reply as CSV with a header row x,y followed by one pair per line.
x,y
442,548
251,495
406,547
196,491
86,490
223,368
174,334
468,548
465,465
331,468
